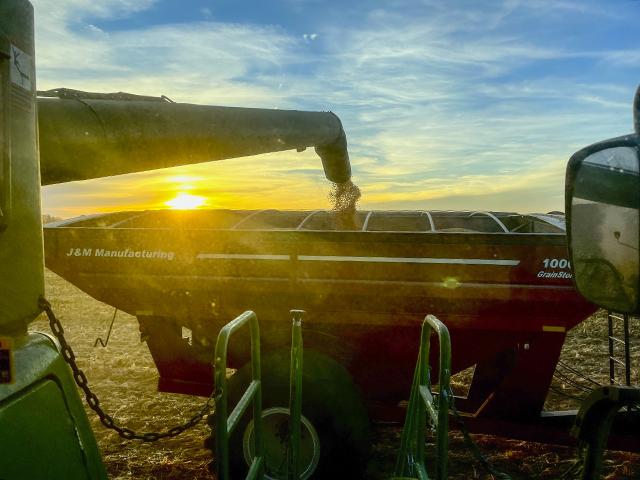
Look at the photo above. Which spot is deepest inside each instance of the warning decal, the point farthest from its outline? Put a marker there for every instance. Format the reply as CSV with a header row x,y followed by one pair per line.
x,y
21,68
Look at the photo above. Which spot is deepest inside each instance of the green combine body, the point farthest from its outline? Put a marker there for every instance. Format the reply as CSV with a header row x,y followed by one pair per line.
x,y
44,431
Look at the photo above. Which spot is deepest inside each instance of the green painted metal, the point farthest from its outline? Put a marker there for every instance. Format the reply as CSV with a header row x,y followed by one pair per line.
x,y
295,396
45,431
21,245
253,395
424,408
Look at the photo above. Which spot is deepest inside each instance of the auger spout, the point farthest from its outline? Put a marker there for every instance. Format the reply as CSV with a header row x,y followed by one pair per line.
x,y
98,135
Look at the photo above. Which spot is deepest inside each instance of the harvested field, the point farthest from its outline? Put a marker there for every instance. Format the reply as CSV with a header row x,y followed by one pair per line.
x,y
124,378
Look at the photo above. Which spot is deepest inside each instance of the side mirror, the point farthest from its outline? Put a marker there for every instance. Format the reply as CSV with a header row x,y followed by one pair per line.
x,y
602,205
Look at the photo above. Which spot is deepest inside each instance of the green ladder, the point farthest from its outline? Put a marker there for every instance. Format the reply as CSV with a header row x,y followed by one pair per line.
x,y
226,424
424,407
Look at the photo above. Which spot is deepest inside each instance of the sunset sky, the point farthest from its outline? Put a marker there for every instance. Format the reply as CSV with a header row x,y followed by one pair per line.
x,y
446,105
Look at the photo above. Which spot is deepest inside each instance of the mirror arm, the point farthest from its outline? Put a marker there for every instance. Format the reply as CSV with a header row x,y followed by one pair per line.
x,y
636,111
617,237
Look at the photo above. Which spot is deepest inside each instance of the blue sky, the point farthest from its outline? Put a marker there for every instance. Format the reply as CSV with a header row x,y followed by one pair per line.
x,y
461,105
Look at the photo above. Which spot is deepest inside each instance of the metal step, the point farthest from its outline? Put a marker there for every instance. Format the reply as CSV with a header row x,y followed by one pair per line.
x,y
614,319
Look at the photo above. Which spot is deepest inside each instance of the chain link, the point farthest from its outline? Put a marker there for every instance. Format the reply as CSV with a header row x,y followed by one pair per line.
x,y
93,401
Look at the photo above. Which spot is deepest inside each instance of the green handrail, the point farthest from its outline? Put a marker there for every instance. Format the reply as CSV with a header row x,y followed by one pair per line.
x,y
226,425
295,396
423,406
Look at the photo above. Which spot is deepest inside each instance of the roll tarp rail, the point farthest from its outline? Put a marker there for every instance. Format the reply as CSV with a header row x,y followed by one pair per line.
x,y
414,221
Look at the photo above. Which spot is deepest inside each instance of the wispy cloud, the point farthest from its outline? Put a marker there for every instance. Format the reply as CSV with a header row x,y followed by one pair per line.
x,y
442,104
195,62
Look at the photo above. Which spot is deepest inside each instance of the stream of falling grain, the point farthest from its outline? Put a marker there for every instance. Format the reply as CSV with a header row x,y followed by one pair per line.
x,y
344,200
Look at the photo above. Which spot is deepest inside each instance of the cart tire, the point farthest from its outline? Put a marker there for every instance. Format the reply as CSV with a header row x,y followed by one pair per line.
x,y
336,434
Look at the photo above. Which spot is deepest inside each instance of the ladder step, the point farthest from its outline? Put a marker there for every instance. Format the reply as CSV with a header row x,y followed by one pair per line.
x,y
617,340
619,362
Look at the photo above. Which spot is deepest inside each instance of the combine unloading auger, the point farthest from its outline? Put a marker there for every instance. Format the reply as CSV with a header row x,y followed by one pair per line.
x,y
87,135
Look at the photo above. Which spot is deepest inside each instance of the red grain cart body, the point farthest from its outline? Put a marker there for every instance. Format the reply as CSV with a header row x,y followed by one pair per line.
x,y
501,282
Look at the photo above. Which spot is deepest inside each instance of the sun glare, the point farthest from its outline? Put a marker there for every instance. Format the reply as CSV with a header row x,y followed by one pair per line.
x,y
185,201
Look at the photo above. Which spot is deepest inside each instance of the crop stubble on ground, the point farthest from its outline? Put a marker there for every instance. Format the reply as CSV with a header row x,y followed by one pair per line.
x,y
124,377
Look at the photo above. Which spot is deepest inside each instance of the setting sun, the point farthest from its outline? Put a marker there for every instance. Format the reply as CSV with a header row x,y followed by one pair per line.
x,y
186,201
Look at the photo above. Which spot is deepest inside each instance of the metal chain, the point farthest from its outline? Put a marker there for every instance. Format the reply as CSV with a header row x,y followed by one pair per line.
x,y
93,401
472,447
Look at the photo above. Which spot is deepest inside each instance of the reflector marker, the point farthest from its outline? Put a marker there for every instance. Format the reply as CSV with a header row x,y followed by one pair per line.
x,y
553,328
446,261
240,256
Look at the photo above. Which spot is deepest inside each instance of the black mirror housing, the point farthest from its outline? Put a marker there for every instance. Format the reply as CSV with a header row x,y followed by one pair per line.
x,y
603,217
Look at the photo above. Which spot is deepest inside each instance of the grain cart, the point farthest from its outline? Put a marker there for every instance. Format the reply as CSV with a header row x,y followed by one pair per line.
x,y
500,282
44,432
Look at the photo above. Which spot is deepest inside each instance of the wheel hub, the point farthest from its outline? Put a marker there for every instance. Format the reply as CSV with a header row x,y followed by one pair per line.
x,y
276,444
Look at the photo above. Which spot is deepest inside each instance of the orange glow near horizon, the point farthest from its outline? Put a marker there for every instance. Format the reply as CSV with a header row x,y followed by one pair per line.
x,y
271,181
186,201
